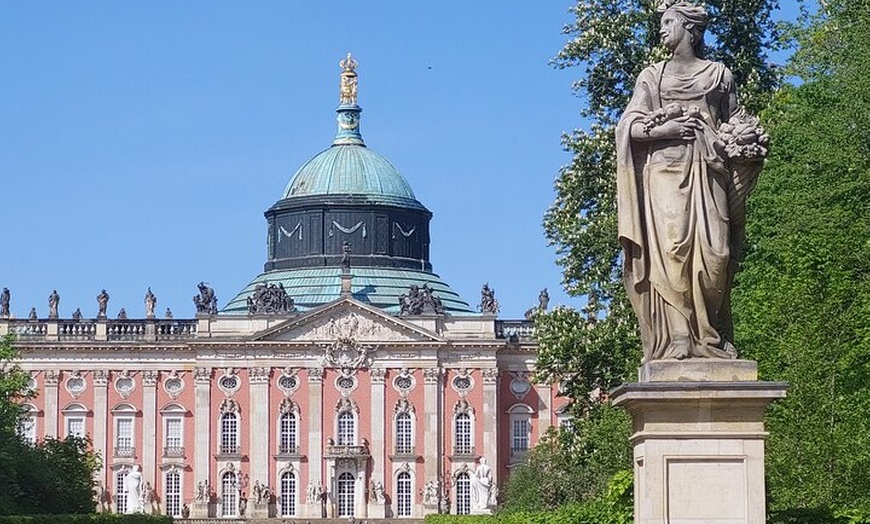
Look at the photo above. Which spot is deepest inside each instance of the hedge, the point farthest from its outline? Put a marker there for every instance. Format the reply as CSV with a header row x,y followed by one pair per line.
x,y
86,518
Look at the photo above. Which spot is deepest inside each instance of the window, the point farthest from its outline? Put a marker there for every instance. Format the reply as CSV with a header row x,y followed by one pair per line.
x,y
404,434
173,439
520,430
403,494
229,433
463,494
120,494
27,429
462,434
288,494
346,429
229,495
173,493
75,426
287,433
124,436
345,495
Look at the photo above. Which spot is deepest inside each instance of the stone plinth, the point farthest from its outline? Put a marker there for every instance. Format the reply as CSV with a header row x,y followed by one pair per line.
x,y
377,511
698,444
200,510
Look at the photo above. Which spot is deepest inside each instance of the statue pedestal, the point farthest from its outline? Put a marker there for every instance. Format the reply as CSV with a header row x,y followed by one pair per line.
x,y
481,511
200,510
698,437
377,511
313,510
259,510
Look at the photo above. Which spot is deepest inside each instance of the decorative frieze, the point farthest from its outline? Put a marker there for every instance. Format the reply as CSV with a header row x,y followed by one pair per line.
x,y
315,375
432,375
378,375
149,378
101,378
202,376
259,375
490,375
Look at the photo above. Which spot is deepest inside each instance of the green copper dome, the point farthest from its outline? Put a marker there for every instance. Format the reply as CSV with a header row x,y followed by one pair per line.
x,y
352,169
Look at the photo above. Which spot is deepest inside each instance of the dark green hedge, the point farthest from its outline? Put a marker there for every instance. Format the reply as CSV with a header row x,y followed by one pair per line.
x,y
87,518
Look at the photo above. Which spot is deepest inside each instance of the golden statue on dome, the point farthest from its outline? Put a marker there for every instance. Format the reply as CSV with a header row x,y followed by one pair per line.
x,y
348,83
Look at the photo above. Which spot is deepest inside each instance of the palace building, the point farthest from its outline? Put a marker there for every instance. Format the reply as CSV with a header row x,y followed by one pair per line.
x,y
347,379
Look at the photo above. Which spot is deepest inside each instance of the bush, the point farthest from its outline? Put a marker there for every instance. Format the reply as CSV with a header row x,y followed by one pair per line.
x,y
91,518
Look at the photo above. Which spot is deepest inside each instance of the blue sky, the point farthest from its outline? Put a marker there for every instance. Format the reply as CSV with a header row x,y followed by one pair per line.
x,y
140,142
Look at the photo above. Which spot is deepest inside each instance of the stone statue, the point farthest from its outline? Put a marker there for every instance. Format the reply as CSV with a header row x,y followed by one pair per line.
x,y
345,257
543,303
200,492
122,314
687,158
103,303
270,299
206,301
32,315
148,497
430,493
420,301
257,492
377,492
243,504
488,303
5,298
481,486
150,303
133,489
168,315
77,314
310,493
53,302
348,84
102,497
185,511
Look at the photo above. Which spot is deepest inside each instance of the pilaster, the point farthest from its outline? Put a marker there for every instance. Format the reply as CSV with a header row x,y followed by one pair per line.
x,y
202,426
545,412
379,446
149,429
101,412
260,428
432,425
490,417
315,435
51,410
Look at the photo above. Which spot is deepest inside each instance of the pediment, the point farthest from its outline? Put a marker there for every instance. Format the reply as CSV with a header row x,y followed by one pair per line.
x,y
347,320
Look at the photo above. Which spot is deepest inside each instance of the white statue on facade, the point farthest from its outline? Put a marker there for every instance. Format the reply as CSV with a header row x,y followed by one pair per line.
x,y
310,493
430,493
378,495
135,492
481,486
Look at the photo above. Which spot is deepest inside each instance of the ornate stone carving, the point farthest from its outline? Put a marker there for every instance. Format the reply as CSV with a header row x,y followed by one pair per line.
x,y
543,303
102,304
202,375
75,383
462,406
32,315
101,378
346,404
51,378
404,382
403,406
378,375
315,375
431,493
348,81
432,375
122,314
124,384
420,301
488,303
229,406
288,381
77,314
489,375
149,377
270,299
206,301
288,406
150,304
173,384
259,375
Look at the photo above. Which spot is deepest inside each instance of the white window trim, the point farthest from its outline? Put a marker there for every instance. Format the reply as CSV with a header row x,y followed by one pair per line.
x,y
413,417
472,430
355,437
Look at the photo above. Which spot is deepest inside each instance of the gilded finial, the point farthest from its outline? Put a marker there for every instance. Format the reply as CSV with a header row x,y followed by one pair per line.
x,y
348,83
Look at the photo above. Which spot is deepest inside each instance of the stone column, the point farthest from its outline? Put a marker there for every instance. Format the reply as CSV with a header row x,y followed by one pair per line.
x,y
260,428
149,426
315,436
698,440
51,409
490,420
379,447
203,436
432,425
101,419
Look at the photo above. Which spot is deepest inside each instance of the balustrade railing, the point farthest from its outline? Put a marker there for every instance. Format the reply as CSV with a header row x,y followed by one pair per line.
x,y
125,452
77,330
126,329
112,330
515,329
173,451
347,451
28,329
176,329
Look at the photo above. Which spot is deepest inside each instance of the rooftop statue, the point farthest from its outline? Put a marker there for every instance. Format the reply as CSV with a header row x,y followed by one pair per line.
x,y
348,82
5,298
687,158
345,257
53,303
77,314
103,303
488,303
32,315
206,301
150,303
270,299
420,301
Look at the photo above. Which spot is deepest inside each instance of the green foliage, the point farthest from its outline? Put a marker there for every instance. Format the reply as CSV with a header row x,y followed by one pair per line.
x,y
52,476
802,299
93,518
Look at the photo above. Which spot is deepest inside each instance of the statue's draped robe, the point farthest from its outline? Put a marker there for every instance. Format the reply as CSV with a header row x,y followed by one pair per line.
x,y
674,219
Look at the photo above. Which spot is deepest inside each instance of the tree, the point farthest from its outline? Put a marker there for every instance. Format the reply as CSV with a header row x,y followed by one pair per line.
x,y
53,476
802,299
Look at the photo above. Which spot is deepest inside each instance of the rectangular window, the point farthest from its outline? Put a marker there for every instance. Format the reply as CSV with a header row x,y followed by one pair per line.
x,y
173,494
120,495
27,429
404,434
229,434
123,434
173,437
521,427
462,428
287,442
346,429
75,426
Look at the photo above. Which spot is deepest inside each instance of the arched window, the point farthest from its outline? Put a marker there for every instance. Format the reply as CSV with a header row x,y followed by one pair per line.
x,y
463,442
404,434
229,495
230,433
345,494
172,498
463,494
288,494
287,433
403,494
346,429
120,495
